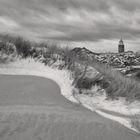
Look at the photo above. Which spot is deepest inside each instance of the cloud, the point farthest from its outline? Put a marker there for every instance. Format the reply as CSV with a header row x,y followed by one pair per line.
x,y
72,20
8,22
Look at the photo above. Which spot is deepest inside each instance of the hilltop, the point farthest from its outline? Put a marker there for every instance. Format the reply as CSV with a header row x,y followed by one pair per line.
x,y
127,63
118,60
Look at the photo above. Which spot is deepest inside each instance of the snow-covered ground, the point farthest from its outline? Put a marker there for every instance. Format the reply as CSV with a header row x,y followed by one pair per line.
x,y
64,79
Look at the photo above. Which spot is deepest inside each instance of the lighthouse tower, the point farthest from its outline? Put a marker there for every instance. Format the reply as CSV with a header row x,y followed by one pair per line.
x,y
121,46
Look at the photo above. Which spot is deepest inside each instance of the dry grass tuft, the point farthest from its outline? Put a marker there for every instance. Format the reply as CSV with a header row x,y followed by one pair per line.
x,y
135,122
120,86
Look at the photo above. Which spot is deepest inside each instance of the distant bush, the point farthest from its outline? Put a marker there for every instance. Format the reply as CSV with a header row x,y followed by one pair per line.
x,y
87,83
23,47
7,48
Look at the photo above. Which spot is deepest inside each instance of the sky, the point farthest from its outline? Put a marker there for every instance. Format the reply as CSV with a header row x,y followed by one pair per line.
x,y
95,24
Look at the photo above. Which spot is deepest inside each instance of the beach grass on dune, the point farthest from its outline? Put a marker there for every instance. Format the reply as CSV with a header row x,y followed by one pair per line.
x,y
135,122
119,85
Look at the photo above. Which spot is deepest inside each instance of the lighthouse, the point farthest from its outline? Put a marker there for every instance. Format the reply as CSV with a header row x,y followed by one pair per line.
x,y
121,46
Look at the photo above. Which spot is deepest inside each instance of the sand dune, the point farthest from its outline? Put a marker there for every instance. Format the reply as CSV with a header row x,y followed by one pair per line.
x,y
33,108
53,118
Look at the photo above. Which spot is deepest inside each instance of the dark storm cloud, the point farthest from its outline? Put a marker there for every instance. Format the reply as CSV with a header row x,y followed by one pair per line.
x,y
72,20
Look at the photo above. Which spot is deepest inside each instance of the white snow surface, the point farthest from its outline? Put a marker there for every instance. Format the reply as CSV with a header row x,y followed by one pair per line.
x,y
64,79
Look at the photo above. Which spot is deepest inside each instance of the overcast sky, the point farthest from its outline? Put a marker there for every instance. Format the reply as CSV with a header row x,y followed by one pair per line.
x,y
95,24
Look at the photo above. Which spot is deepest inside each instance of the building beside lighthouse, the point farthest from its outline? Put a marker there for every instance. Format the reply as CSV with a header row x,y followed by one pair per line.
x,y
121,47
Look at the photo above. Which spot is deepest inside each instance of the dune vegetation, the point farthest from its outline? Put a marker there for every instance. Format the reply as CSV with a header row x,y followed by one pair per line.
x,y
113,82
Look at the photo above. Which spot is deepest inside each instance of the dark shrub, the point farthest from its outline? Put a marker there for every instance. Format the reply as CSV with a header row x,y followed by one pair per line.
x,y
23,47
84,83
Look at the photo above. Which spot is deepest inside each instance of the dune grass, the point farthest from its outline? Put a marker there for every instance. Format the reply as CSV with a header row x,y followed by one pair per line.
x,y
135,122
119,85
